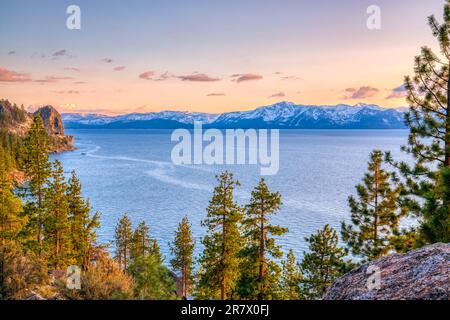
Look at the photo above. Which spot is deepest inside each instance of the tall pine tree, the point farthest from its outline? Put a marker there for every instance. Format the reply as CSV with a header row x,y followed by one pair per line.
x,y
182,250
375,215
260,274
220,260
56,222
123,238
323,264
82,225
10,207
429,140
291,276
38,169
141,244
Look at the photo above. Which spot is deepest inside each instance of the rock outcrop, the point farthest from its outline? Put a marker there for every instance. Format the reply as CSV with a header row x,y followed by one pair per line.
x,y
16,120
420,274
52,120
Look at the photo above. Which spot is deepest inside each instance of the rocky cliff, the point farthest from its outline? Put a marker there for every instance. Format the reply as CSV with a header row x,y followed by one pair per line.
x,y
15,119
420,274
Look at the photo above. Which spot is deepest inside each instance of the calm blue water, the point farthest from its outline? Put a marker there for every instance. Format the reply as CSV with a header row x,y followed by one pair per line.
x,y
131,171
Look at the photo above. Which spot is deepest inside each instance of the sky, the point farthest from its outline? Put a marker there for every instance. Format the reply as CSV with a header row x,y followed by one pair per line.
x,y
208,55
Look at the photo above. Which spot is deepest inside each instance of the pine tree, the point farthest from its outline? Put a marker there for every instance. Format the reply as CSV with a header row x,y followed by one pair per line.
x,y
323,263
375,215
141,244
222,243
152,280
260,274
37,168
429,139
123,237
156,251
56,222
10,207
182,250
291,276
82,225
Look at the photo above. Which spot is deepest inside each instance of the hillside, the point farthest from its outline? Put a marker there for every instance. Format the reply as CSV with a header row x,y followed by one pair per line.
x,y
283,115
15,120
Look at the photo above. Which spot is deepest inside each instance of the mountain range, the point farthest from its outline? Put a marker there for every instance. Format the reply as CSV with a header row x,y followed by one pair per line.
x,y
282,115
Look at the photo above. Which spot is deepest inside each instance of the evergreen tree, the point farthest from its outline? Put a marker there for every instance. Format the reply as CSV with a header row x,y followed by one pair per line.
x,y
222,243
142,244
82,225
56,222
156,251
37,168
182,250
291,276
260,274
322,264
123,237
10,207
429,140
152,280
376,213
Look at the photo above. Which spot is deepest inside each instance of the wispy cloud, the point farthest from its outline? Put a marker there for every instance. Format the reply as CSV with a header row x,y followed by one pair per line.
x,y
164,76
11,52
67,92
397,93
291,78
246,77
361,93
277,95
52,79
147,75
216,94
60,53
119,68
72,69
13,76
107,60
200,77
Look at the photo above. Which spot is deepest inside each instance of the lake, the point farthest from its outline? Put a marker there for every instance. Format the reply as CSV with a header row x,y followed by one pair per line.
x,y
130,171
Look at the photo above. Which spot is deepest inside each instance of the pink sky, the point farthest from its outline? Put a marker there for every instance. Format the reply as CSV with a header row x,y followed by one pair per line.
x,y
212,59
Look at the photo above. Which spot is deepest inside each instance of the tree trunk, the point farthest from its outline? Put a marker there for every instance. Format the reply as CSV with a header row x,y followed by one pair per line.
x,y
447,128
261,258
224,280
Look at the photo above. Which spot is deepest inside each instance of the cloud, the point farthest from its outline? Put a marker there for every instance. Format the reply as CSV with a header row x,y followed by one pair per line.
x,y
119,68
397,93
216,94
199,77
107,60
164,76
147,75
11,52
52,79
79,82
67,92
277,95
246,77
71,107
13,76
72,69
59,53
291,78
361,93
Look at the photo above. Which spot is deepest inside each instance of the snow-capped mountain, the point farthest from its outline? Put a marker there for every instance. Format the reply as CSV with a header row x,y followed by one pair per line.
x,y
283,115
